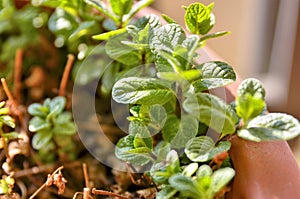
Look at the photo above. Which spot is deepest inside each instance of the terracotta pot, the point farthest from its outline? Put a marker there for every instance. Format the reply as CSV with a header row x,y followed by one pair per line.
x,y
263,170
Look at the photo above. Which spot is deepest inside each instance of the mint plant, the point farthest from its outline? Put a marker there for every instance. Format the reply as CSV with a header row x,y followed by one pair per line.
x,y
159,78
53,128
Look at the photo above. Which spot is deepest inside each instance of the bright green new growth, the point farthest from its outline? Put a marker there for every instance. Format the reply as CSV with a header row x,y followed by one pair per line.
x,y
6,184
52,126
6,119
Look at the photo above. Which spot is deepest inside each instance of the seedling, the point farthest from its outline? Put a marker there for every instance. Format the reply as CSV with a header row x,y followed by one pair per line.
x,y
52,126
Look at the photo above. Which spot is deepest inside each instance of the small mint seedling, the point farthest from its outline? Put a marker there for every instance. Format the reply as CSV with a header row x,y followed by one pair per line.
x,y
52,126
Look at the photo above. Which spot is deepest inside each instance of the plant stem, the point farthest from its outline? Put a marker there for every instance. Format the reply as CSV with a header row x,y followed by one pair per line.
x,y
18,75
65,77
107,193
44,185
86,176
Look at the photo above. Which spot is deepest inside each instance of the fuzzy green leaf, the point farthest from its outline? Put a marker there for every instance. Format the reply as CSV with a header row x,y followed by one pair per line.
x,y
212,111
166,193
204,171
199,19
190,169
179,131
167,37
107,35
67,128
99,5
273,126
252,86
214,74
135,8
83,29
202,149
248,107
185,185
158,117
121,52
136,90
220,178
37,124
58,104
140,130
123,148
168,19
41,139
121,7
37,109
214,35
8,120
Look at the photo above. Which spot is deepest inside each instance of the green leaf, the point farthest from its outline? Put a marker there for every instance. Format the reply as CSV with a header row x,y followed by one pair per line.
x,y
212,111
123,148
191,44
185,184
161,150
214,74
139,142
204,171
41,139
83,29
67,128
199,19
214,35
198,148
221,178
202,149
121,7
166,193
137,90
168,19
37,109
190,169
37,124
158,117
273,126
8,120
248,107
107,35
2,104
179,131
11,135
137,128
62,118
58,104
167,37
99,5
252,86
121,52
135,8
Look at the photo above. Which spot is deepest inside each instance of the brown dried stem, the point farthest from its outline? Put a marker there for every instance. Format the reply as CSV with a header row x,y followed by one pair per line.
x,y
18,75
14,105
85,175
108,193
45,184
65,77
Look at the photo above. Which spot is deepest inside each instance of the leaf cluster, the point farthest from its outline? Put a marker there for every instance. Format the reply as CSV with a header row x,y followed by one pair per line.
x,y
51,125
168,95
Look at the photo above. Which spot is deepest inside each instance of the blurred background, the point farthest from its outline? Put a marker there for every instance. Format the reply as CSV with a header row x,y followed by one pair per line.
x,y
264,43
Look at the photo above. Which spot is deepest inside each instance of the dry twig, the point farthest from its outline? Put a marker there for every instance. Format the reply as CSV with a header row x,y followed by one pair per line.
x,y
65,77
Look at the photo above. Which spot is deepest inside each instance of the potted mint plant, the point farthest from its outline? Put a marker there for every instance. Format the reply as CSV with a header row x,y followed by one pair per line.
x,y
171,99
182,141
